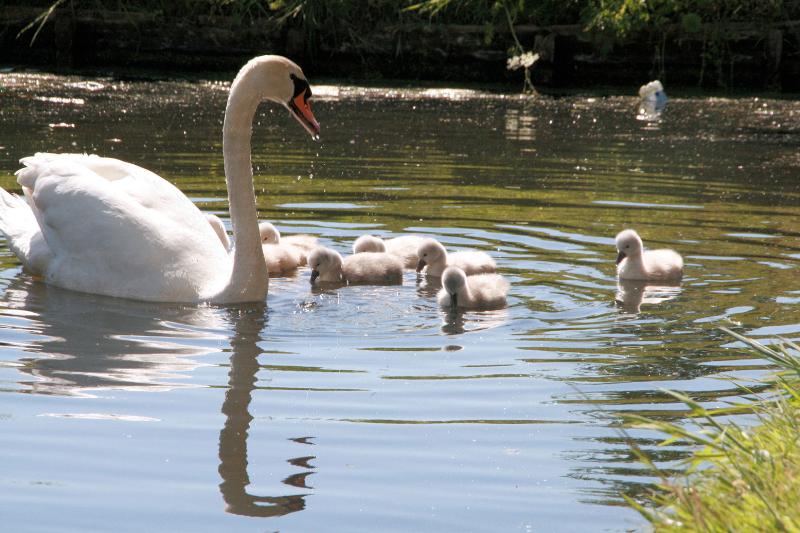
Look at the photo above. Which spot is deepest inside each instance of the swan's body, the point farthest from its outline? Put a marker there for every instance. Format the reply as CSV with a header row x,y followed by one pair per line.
x,y
292,246
434,256
373,268
633,263
482,291
219,229
405,247
103,226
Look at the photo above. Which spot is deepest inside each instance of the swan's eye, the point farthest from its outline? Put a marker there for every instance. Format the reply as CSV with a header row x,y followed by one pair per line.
x,y
300,87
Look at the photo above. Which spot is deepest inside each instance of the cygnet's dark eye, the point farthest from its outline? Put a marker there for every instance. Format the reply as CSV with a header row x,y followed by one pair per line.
x,y
627,246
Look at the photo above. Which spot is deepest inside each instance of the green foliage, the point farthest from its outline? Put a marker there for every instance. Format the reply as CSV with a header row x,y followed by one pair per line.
x,y
357,25
738,479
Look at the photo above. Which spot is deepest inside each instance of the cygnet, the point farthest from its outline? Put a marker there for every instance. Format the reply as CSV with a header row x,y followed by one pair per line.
x,y
635,263
368,268
405,247
482,291
434,256
300,244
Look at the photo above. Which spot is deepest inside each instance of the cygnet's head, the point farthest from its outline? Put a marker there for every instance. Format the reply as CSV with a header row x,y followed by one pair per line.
x,y
368,243
269,233
628,244
429,252
453,280
324,261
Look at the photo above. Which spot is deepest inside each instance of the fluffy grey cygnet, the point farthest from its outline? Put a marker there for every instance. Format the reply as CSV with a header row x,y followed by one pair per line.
x,y
482,291
284,254
368,268
405,247
636,264
434,258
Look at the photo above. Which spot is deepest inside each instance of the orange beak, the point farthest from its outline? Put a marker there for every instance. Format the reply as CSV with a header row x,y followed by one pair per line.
x,y
301,109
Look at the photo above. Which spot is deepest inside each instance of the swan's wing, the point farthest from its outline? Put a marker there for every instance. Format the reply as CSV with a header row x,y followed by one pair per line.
x,y
140,185
116,228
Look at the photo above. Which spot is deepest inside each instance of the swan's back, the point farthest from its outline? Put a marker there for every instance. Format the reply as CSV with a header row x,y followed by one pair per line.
x,y
662,264
282,259
368,243
472,262
304,243
373,267
405,247
488,291
114,228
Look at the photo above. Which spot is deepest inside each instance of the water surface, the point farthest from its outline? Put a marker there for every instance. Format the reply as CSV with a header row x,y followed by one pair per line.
x,y
365,407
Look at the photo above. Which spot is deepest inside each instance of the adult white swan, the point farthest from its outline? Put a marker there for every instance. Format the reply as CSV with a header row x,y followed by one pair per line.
x,y
103,226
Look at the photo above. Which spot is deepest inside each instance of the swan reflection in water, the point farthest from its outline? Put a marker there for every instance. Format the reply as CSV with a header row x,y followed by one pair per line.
x,y
632,294
248,323
78,344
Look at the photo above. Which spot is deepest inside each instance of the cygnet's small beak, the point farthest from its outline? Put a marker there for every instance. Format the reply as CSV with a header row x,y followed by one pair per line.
x,y
420,265
314,276
620,257
454,300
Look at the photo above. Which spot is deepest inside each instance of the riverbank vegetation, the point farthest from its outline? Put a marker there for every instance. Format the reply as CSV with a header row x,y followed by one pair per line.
x,y
739,479
720,43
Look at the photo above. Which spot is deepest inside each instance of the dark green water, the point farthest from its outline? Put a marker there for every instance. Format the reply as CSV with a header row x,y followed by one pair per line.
x,y
366,408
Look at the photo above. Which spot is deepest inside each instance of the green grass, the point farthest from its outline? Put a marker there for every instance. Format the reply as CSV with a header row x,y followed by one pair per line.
x,y
738,479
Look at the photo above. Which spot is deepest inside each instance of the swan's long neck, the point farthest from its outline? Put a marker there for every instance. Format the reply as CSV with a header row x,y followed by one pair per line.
x,y
249,278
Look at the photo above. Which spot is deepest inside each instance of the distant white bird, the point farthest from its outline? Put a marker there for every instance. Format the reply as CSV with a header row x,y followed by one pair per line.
x,y
405,247
219,229
635,263
652,100
367,268
482,291
434,256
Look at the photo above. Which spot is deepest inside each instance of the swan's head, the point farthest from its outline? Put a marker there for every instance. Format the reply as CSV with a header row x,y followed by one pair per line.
x,y
280,80
429,252
628,244
325,263
269,233
368,243
454,280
